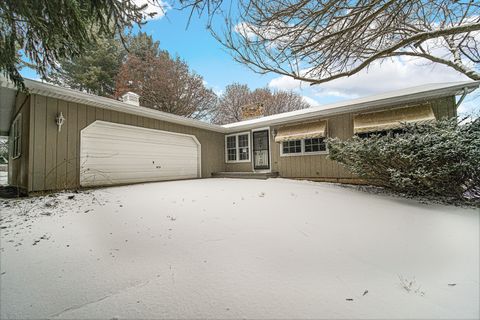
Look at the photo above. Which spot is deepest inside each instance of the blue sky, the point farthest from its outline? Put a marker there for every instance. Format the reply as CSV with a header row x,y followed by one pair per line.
x,y
202,52
208,58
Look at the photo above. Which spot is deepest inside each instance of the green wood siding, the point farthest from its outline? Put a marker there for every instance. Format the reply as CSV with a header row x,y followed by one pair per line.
x,y
319,166
56,162
18,168
50,159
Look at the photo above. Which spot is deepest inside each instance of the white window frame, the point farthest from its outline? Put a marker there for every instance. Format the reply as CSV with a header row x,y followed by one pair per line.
x,y
16,137
238,148
302,150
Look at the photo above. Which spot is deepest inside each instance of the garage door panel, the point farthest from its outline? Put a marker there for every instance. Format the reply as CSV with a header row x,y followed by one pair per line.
x,y
116,154
126,140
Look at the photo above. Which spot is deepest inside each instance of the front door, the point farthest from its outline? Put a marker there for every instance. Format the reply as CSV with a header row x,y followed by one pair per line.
x,y
261,155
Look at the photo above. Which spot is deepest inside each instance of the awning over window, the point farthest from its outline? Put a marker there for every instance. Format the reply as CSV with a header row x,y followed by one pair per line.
x,y
392,119
302,131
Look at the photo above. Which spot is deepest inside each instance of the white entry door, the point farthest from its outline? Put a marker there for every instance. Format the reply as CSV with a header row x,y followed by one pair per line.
x,y
113,153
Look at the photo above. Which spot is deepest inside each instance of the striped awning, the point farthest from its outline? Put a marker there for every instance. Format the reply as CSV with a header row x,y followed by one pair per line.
x,y
392,119
302,131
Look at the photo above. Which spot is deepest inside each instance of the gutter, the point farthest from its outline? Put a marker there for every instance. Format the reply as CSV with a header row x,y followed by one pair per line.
x,y
54,91
49,90
356,107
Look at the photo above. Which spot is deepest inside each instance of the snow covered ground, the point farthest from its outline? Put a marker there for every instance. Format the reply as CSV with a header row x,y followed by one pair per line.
x,y
226,248
3,178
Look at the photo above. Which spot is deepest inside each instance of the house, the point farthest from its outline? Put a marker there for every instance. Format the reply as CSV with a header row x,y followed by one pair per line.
x,y
65,139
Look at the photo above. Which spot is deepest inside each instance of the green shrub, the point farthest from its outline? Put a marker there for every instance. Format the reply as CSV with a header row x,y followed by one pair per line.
x,y
438,160
3,150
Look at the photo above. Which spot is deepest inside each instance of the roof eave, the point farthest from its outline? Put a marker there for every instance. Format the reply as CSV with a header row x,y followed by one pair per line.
x,y
371,105
53,91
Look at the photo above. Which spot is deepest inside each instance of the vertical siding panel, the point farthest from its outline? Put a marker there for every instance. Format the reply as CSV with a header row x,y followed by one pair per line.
x,y
72,145
107,115
167,126
51,145
121,117
62,140
134,120
299,166
288,162
114,116
39,143
150,124
81,124
161,125
280,166
90,115
99,114
81,116
451,105
310,171
31,142
128,119
140,121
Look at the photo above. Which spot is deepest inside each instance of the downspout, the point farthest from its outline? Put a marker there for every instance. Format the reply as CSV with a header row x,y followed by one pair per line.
x,y
464,94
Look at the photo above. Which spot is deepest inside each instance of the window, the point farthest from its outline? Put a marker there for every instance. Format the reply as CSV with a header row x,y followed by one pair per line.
x,y
294,146
393,132
16,137
243,146
232,148
304,147
315,145
237,147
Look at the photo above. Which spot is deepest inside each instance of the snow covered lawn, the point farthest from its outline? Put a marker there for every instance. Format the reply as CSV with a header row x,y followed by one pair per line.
x,y
226,248
3,178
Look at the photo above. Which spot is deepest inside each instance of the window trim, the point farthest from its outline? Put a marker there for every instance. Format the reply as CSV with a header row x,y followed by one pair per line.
x,y
238,148
16,126
302,150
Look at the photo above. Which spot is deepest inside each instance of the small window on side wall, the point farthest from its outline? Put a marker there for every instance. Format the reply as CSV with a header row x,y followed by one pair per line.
x,y
16,137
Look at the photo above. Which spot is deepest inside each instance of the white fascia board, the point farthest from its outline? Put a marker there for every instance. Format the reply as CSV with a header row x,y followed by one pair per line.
x,y
357,105
54,91
407,95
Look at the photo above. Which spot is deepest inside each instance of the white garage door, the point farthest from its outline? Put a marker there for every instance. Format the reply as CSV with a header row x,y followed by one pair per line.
x,y
113,153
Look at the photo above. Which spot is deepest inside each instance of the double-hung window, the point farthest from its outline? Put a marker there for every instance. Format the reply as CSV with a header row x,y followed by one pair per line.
x,y
303,147
237,147
16,137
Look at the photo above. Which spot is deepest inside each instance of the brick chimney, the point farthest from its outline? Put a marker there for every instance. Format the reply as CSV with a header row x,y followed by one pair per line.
x,y
252,111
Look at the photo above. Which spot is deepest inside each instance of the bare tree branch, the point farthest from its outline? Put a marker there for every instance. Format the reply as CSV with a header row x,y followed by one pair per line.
x,y
319,41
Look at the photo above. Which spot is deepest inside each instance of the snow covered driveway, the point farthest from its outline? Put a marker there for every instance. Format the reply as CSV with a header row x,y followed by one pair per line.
x,y
226,248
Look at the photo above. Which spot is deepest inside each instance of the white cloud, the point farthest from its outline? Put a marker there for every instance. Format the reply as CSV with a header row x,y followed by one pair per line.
x,y
310,101
287,83
391,74
245,30
155,7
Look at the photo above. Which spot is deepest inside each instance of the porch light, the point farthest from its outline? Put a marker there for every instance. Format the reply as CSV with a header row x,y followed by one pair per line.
x,y
60,120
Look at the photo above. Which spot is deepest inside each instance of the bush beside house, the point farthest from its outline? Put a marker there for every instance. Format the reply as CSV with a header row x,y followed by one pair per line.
x,y
3,150
438,160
